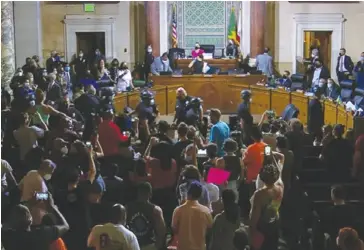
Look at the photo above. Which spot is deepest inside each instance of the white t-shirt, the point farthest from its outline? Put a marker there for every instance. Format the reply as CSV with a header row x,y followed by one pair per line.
x,y
214,192
124,81
112,237
27,138
31,183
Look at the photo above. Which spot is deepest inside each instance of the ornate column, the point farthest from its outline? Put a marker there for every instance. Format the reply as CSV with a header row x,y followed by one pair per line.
x,y
257,27
152,25
7,44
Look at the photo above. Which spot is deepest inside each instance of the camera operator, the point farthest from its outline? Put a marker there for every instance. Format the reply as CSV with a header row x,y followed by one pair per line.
x,y
147,113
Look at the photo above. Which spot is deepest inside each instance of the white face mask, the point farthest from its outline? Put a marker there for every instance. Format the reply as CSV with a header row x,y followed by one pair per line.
x,y
80,55
47,177
20,73
329,85
321,84
150,50
64,150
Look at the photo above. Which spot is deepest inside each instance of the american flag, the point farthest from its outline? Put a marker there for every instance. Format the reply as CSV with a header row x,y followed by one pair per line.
x,y
174,28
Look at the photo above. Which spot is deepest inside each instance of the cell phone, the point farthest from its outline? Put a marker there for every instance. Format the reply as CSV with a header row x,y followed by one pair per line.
x,y
41,196
268,150
88,144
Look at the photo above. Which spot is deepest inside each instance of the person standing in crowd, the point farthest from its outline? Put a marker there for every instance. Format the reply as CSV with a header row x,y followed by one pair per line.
x,y
18,234
358,160
98,57
27,136
339,215
344,66
348,239
359,71
113,235
338,155
244,107
148,61
181,145
160,64
191,220
181,106
264,215
231,163
124,80
253,157
147,113
146,220
225,223
51,62
197,51
315,115
219,132
264,63
288,165
54,91
109,135
79,65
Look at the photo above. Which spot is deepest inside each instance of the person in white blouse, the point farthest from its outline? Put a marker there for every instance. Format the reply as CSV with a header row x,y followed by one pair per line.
x,y
124,81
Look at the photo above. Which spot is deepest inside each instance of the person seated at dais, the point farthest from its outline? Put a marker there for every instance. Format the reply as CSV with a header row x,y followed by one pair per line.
x,y
285,81
197,51
161,64
333,90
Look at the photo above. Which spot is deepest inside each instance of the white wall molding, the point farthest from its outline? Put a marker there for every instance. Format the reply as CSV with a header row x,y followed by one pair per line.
x,y
163,27
88,23
318,22
245,28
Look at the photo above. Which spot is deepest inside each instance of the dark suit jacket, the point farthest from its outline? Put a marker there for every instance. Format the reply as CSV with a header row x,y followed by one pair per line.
x,y
333,94
50,65
325,74
348,63
54,93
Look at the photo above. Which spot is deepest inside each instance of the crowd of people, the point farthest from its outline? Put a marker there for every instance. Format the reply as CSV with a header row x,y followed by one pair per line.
x,y
76,176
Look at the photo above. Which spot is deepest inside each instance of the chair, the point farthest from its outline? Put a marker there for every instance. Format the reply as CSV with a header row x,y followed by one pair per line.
x,y
208,49
347,84
358,98
346,94
298,82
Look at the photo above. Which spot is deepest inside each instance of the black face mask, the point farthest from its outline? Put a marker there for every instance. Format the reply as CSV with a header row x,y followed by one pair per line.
x,y
285,77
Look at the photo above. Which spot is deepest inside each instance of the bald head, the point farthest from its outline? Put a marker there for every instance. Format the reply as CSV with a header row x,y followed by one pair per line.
x,y
118,214
181,93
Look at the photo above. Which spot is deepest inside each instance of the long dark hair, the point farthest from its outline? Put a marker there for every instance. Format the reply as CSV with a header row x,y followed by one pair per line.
x,y
162,152
231,209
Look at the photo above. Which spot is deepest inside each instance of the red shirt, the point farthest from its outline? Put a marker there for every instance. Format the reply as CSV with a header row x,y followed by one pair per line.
x,y
109,137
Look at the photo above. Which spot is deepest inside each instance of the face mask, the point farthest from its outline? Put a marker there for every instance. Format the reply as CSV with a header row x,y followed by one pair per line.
x,y
67,69
284,77
329,85
362,58
64,150
47,177
26,84
80,55
97,53
20,73
45,74
313,55
149,50
321,84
